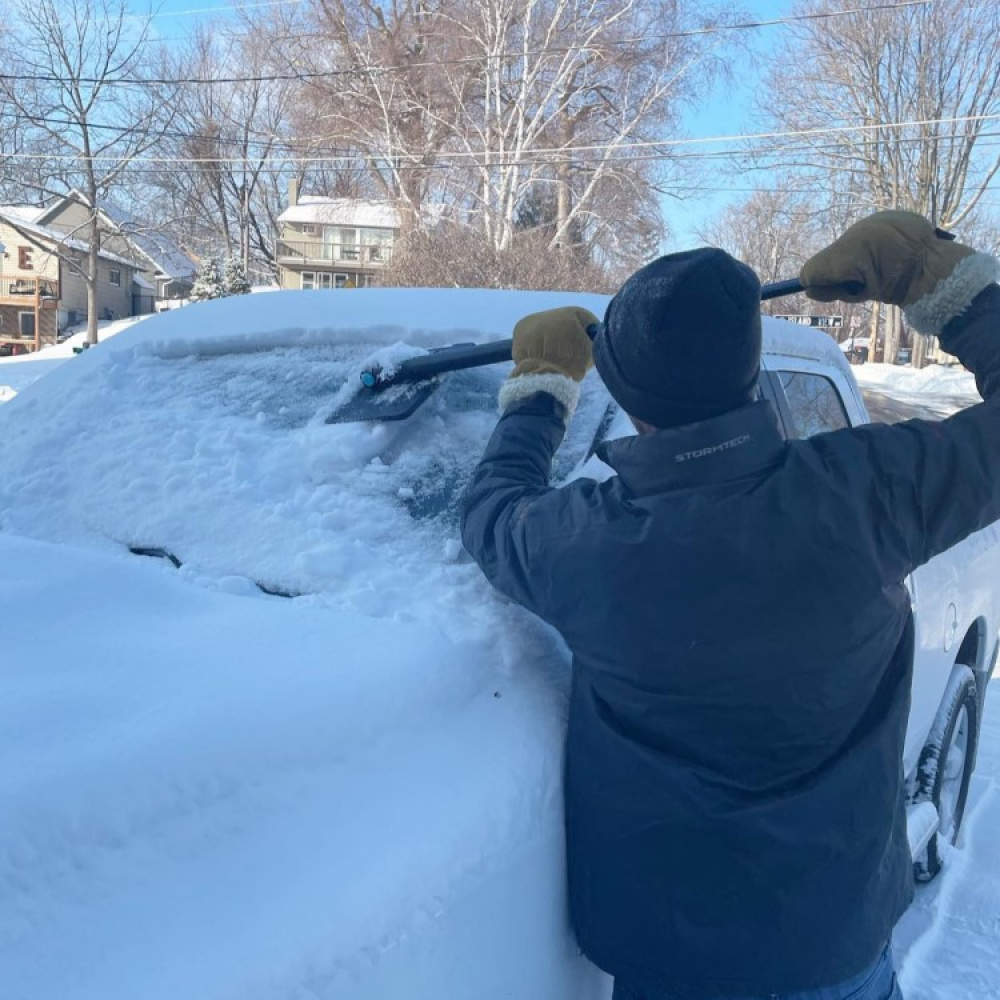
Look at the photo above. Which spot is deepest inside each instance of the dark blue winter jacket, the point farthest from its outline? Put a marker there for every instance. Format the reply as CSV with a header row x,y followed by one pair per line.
x,y
742,647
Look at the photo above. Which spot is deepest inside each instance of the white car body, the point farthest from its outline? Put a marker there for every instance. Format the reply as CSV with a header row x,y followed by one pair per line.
x,y
956,600
212,792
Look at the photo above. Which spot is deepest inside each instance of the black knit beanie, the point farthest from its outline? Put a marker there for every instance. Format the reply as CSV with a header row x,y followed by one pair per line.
x,y
681,340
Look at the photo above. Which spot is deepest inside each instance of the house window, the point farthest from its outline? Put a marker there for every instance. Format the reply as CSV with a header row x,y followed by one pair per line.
x,y
340,280
348,244
308,229
308,279
24,261
26,324
377,244
115,276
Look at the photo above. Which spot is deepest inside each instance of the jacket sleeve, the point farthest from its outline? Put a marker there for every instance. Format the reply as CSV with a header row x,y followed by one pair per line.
x,y
513,521
929,484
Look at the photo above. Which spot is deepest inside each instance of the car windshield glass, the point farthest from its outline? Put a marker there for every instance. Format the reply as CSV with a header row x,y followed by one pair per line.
x,y
226,461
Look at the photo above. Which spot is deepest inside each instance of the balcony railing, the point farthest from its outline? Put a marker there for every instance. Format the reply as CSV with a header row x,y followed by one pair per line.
x,y
349,254
24,290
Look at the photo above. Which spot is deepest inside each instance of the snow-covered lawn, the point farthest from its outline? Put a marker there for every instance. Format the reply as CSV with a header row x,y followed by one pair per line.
x,y
19,371
211,793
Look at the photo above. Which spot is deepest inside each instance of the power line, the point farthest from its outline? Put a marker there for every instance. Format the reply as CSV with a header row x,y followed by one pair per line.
x,y
373,68
274,140
278,167
571,154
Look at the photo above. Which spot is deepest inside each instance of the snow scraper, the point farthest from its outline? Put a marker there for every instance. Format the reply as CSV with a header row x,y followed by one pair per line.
x,y
398,393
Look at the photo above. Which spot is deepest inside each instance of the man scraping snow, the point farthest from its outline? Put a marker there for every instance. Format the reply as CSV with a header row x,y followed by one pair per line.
x,y
734,602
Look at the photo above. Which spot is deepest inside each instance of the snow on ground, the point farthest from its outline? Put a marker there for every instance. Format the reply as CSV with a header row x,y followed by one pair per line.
x,y
946,380
19,371
893,393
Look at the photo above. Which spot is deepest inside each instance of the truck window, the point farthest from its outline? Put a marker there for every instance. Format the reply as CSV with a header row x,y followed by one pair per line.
x,y
814,403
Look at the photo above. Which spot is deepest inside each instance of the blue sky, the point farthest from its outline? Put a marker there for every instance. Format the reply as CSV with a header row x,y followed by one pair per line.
x,y
725,111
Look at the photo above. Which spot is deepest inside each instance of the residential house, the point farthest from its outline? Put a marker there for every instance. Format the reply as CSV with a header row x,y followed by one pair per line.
x,y
164,271
334,242
42,288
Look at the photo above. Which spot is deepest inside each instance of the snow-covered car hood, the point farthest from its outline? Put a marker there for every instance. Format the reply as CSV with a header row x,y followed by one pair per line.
x,y
213,795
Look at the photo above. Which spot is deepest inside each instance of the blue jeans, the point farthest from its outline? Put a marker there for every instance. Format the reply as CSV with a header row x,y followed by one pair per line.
x,y
877,982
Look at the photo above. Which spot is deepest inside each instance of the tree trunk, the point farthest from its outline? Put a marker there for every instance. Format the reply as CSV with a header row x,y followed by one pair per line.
x,y
892,331
92,263
873,336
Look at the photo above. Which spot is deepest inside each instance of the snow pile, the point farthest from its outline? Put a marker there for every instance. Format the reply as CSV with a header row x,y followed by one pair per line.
x,y
934,379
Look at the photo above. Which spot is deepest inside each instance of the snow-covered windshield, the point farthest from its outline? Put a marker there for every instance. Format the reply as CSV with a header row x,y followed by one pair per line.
x,y
223,458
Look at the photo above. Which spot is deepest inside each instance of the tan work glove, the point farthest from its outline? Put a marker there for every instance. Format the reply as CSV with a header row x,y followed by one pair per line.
x,y
551,354
901,259
554,341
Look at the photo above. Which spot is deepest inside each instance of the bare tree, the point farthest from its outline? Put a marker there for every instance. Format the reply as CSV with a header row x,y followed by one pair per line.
x,y
234,130
914,94
776,231
477,104
74,72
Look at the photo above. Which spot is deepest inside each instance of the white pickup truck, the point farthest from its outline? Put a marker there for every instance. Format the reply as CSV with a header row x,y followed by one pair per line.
x,y
307,751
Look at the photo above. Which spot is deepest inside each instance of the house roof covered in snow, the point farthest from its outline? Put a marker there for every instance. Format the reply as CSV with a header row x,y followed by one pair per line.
x,y
29,213
159,248
57,238
343,212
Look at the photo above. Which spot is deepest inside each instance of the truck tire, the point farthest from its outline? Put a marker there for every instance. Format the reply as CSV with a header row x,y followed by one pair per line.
x,y
946,765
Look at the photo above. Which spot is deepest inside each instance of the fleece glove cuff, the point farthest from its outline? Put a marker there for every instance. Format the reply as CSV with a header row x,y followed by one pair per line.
x,y
953,295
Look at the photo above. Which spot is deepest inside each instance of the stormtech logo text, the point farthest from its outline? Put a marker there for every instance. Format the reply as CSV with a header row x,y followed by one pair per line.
x,y
686,456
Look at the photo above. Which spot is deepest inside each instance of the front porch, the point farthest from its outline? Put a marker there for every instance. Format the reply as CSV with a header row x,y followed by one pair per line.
x,y
29,314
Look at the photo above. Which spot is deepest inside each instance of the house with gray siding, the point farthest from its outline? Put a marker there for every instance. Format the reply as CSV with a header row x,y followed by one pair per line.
x,y
166,270
42,288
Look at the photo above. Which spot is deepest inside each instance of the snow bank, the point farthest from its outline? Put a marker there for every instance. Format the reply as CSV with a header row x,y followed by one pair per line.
x,y
935,379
